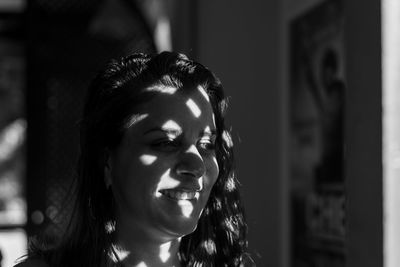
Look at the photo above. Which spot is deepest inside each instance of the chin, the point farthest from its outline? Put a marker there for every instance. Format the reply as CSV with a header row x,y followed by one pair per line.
x,y
183,228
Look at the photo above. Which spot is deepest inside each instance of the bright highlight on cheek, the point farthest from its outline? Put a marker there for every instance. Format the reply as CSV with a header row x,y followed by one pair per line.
x,y
147,159
193,107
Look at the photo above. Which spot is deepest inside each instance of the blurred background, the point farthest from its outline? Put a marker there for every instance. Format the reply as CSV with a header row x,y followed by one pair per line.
x,y
314,106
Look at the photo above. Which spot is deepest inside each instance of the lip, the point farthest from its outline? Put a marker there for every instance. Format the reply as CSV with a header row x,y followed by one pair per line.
x,y
181,194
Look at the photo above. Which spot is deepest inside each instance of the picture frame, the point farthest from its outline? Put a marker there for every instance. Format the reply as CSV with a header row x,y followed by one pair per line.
x,y
317,98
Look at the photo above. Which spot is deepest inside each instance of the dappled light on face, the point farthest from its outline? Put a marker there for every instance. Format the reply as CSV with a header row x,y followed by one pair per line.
x,y
134,119
172,128
203,92
166,182
208,131
141,264
164,252
193,150
186,207
170,90
193,107
147,159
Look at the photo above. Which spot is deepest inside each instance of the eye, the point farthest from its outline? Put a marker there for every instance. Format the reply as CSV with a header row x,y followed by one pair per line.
x,y
207,144
165,145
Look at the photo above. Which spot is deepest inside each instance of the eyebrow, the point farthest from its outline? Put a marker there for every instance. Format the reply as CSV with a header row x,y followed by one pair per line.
x,y
164,130
178,132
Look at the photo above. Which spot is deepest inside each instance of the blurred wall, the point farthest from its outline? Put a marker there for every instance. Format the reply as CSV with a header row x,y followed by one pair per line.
x,y
364,110
246,46
241,44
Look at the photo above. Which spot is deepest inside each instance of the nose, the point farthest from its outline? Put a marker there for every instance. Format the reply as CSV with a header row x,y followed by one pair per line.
x,y
191,163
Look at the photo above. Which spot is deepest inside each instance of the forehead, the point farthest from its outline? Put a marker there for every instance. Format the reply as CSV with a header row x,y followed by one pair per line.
x,y
189,106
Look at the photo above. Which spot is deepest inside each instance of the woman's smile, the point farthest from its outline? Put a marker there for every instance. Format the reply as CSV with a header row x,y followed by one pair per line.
x,y
180,194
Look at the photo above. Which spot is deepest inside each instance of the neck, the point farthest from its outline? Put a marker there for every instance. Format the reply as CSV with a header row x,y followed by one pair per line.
x,y
137,248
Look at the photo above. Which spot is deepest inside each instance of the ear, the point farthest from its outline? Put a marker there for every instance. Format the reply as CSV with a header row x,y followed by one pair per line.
x,y
107,169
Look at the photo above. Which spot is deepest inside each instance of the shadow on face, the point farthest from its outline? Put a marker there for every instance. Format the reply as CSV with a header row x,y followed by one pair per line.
x,y
163,170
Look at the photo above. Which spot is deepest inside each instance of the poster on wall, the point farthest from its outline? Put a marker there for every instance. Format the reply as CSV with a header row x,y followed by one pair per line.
x,y
317,96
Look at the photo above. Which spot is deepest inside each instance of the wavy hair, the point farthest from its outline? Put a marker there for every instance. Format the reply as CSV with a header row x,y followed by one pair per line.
x,y
220,236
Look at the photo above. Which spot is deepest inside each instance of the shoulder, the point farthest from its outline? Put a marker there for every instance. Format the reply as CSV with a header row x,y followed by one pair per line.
x,y
32,263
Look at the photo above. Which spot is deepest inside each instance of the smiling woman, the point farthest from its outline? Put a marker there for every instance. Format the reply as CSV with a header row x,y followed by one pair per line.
x,y
156,184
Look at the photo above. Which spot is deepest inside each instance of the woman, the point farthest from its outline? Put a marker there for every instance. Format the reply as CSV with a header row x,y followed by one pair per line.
x,y
156,185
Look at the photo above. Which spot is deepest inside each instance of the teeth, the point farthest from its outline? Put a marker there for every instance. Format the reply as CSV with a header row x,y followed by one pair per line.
x,y
180,195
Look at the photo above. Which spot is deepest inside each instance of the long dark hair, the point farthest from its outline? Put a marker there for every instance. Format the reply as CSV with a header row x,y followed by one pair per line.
x,y
220,236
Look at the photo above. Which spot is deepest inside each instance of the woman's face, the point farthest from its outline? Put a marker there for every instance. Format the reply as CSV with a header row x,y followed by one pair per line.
x,y
163,170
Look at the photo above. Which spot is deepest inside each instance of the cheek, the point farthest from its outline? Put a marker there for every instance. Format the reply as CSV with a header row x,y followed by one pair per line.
x,y
135,183
212,171
132,175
